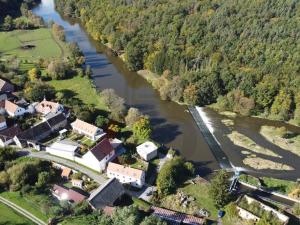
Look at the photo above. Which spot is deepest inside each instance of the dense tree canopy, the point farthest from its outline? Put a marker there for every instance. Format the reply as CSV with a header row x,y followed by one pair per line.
x,y
214,47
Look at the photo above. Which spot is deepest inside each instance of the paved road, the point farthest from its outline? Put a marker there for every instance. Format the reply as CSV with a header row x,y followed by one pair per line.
x,y
22,211
99,178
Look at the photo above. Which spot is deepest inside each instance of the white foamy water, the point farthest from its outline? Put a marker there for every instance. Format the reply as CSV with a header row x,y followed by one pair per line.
x,y
207,122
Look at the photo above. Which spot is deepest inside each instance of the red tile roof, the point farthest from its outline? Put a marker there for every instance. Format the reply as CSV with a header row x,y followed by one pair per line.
x,y
102,149
177,217
68,194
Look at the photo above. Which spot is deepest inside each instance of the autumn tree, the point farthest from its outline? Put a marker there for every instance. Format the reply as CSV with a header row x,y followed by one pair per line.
x,y
34,74
142,129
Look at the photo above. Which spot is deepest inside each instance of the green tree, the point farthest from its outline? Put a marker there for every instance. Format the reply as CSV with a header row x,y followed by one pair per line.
x,y
142,129
219,189
152,220
134,56
8,23
39,91
168,179
126,215
101,121
281,106
43,179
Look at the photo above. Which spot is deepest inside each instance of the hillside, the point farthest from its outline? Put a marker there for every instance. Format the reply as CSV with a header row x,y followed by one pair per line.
x,y
246,51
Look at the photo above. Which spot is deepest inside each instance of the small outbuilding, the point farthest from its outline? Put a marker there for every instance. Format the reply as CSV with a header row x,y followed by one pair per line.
x,y
147,150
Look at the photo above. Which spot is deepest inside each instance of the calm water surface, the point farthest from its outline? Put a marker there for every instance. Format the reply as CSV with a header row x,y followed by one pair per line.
x,y
173,125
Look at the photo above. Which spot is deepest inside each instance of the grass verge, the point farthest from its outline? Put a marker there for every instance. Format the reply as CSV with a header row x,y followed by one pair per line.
x,y
9,216
26,203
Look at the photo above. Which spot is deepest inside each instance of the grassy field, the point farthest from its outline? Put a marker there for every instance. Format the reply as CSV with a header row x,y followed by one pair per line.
x,y
10,217
202,199
25,203
46,45
82,88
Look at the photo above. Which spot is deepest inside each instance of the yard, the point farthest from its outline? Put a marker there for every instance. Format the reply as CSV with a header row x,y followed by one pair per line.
x,y
9,216
27,203
199,192
44,44
82,89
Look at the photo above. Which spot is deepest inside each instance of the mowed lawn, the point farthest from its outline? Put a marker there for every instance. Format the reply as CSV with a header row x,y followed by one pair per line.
x,y
82,89
10,217
25,203
46,45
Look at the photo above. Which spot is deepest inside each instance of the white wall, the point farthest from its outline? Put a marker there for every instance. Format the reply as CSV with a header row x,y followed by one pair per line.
x,y
60,153
127,179
19,112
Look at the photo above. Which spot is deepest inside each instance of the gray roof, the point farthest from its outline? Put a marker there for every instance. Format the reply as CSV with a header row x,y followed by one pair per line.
x,y
107,194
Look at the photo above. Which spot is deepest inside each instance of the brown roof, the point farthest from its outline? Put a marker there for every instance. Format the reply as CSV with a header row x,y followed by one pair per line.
x,y
88,128
10,132
176,216
68,194
127,171
102,149
66,172
9,106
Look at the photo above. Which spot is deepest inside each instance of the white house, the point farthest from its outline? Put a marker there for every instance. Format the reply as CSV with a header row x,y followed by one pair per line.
x,y
98,157
92,132
11,108
3,124
147,150
65,149
126,175
45,107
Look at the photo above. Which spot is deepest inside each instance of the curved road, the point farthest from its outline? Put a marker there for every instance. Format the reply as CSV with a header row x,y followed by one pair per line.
x,y
99,178
22,211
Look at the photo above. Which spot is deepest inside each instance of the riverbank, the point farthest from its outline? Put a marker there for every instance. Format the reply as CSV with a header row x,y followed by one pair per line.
x,y
282,138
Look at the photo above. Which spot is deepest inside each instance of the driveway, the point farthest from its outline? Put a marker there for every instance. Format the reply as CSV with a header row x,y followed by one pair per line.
x,y
99,178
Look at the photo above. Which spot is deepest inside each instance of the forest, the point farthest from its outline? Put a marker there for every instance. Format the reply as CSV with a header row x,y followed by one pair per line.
x,y
242,55
12,7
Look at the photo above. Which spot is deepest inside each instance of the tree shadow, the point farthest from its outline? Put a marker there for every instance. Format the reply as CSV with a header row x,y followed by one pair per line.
x,y
165,133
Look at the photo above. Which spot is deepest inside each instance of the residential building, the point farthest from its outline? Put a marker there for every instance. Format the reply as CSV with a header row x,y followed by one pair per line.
x,y
126,175
66,149
32,136
11,109
109,194
66,194
45,107
92,132
6,87
3,124
98,157
176,218
77,183
66,173
147,150
7,135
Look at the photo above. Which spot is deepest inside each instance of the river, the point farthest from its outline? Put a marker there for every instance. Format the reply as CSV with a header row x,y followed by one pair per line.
x,y
173,124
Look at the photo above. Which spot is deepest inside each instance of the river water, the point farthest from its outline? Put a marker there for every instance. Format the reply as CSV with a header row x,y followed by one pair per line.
x,y
173,125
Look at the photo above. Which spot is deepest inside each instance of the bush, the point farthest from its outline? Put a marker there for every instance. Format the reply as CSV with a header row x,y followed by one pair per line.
x,y
168,178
